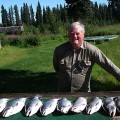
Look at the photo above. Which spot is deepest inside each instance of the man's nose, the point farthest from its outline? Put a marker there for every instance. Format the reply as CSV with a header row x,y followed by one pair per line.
x,y
75,35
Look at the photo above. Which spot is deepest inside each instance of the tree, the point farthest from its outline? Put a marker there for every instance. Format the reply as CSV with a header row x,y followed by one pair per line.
x,y
96,11
32,19
25,14
4,16
44,16
17,19
110,14
79,9
39,18
53,25
21,14
115,6
63,13
38,15
48,13
11,17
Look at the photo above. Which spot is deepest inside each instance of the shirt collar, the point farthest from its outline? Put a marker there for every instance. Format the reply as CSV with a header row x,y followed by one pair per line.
x,y
83,45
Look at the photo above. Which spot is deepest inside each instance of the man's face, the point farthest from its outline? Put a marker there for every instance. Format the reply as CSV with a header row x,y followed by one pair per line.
x,y
76,36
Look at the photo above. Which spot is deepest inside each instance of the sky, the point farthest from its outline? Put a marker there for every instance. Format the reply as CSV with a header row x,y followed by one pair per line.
x,y
51,3
100,1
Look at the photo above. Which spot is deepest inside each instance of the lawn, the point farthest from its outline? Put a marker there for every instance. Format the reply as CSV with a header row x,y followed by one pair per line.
x,y
31,70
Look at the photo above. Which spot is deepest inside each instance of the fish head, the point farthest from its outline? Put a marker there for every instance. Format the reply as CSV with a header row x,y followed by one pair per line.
x,y
75,109
44,112
90,110
65,109
28,112
112,111
7,112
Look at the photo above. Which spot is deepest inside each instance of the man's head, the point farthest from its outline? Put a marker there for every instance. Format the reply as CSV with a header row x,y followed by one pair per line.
x,y
76,34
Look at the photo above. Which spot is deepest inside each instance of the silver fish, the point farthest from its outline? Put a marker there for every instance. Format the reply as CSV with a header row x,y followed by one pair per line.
x,y
3,103
64,105
109,106
33,106
94,105
117,103
14,107
48,107
79,105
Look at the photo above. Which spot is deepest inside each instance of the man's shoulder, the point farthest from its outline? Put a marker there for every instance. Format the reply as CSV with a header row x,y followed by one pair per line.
x,y
63,46
89,46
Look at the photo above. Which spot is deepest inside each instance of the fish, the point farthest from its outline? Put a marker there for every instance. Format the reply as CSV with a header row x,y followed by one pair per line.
x,y
94,105
64,105
79,105
14,107
48,107
3,103
109,106
33,106
117,103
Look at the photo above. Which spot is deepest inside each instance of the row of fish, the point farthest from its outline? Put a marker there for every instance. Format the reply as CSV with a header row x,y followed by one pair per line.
x,y
63,105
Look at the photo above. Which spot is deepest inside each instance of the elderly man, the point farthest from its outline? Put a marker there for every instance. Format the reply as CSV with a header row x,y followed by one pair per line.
x,y
73,61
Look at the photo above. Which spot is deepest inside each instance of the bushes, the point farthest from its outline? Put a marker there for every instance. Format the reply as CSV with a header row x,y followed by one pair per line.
x,y
25,41
22,41
30,40
3,39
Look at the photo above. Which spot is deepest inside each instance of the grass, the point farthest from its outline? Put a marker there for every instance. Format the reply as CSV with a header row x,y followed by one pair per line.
x,y
101,80
28,69
31,70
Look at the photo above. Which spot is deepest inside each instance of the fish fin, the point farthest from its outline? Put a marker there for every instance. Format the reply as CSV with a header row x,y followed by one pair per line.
x,y
15,105
118,109
36,104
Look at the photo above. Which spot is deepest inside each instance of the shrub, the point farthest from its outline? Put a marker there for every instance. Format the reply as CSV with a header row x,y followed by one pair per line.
x,y
4,40
25,41
32,41
15,41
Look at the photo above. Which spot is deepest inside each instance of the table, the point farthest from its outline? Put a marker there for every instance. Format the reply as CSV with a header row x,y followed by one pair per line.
x,y
100,115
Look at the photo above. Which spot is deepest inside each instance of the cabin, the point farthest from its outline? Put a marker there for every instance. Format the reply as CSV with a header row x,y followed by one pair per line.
x,y
11,29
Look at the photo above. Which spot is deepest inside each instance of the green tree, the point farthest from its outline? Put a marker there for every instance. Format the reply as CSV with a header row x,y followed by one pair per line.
x,y
17,18
39,18
115,6
4,16
21,14
48,12
25,14
38,15
79,9
32,19
11,17
44,16
96,11
63,13
53,25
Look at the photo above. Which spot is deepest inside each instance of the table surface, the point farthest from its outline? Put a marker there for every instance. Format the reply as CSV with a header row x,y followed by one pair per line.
x,y
100,115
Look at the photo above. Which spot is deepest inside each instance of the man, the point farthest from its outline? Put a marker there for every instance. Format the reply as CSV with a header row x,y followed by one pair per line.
x,y
73,61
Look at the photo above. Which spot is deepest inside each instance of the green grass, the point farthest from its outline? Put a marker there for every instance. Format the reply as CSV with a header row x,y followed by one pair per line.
x,y
31,70
101,80
28,69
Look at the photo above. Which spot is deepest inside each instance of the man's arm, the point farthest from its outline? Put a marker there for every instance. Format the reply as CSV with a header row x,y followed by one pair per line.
x,y
102,60
55,61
